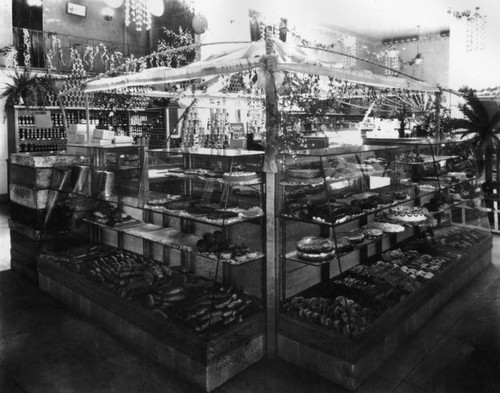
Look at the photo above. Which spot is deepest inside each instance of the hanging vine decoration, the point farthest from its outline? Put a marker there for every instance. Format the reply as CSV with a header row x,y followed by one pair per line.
x,y
97,50
50,52
89,56
170,39
27,48
118,59
104,55
10,56
55,48
475,39
142,65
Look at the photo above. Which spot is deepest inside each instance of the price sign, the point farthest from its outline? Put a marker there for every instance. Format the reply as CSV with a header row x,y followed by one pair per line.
x,y
237,129
42,119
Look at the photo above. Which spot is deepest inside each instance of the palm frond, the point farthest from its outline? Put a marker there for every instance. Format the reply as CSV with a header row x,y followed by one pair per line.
x,y
33,90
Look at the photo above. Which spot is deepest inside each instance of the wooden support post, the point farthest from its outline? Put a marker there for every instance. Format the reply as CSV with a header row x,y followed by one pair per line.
x,y
87,115
271,168
272,266
438,119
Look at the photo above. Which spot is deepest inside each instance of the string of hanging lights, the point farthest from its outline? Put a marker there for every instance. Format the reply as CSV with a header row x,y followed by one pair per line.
x,y
139,12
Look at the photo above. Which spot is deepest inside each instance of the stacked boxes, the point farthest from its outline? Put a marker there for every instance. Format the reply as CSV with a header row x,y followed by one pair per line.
x,y
77,134
30,194
122,139
103,137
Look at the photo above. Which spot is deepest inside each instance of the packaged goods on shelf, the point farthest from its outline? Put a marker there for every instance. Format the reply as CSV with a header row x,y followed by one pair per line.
x,y
117,139
104,134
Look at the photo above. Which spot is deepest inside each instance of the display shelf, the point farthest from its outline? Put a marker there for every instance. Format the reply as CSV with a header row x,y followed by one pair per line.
x,y
392,237
169,237
426,160
350,218
206,178
244,216
29,129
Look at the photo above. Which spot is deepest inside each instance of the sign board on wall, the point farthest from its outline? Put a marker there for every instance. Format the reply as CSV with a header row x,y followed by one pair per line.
x,y
76,9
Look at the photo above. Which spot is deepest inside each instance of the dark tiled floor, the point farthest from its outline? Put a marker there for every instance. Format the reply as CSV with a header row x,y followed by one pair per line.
x,y
47,348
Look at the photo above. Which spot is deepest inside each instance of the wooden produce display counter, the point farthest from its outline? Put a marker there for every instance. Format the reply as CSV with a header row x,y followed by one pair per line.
x,y
206,362
348,361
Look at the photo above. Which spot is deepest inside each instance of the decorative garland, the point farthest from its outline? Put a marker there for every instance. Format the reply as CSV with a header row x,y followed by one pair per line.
x,y
172,40
27,48
90,54
54,48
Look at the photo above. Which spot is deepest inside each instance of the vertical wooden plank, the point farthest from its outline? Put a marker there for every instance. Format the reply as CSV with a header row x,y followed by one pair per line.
x,y
272,267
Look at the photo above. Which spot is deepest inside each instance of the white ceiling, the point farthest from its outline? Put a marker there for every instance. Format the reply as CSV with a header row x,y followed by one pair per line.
x,y
374,19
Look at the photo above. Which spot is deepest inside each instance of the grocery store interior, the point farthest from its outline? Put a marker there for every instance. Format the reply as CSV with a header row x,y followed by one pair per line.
x,y
255,196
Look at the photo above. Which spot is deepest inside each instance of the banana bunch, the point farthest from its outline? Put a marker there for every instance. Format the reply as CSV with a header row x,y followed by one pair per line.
x,y
127,274
217,307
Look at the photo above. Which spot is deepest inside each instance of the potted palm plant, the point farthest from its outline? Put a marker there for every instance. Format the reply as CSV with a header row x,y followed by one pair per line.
x,y
28,89
482,131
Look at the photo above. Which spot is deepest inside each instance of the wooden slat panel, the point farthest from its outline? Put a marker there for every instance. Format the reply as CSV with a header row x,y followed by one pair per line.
x,y
34,199
26,260
27,272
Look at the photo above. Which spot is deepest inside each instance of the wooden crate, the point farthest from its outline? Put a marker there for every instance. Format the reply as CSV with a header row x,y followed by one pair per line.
x,y
26,244
29,197
32,177
349,362
205,363
35,218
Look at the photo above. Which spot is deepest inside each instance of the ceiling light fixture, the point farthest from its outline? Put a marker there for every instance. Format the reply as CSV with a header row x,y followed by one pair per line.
x,y
418,59
114,3
108,13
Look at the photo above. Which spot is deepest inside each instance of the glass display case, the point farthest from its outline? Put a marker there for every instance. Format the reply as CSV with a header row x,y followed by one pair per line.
x,y
368,236
178,208
168,244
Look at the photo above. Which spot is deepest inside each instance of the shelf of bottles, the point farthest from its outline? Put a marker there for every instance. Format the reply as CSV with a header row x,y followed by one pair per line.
x,y
256,117
151,126
141,126
216,134
145,127
35,138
